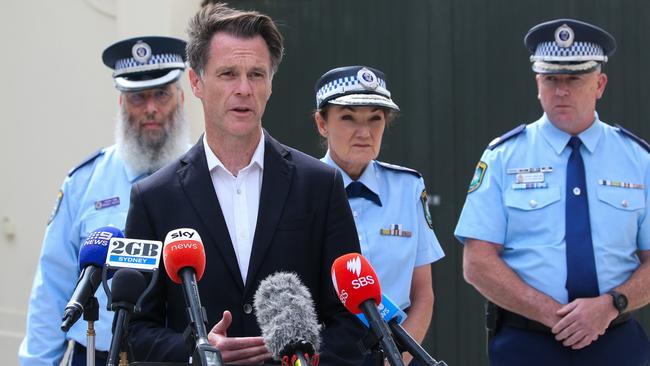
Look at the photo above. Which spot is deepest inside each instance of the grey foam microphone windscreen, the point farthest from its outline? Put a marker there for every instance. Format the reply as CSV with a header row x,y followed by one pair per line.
x,y
286,315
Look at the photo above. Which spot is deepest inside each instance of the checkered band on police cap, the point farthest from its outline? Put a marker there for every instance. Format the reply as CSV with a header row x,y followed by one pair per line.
x,y
578,51
156,62
353,85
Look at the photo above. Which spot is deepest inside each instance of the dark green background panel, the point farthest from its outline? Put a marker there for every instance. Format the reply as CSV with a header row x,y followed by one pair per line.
x,y
460,72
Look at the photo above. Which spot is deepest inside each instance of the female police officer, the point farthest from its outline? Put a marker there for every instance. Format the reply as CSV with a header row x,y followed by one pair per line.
x,y
389,202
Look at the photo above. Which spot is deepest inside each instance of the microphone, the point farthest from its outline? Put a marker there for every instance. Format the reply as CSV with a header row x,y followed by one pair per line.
x,y
388,311
126,288
184,259
357,286
92,256
394,316
286,315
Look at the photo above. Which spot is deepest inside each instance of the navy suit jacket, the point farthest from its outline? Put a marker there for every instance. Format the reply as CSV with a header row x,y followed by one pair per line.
x,y
304,223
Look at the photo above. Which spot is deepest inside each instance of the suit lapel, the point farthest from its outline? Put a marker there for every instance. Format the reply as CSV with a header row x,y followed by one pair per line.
x,y
195,180
276,181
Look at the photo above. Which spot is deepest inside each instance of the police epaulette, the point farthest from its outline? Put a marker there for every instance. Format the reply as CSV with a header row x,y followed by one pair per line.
x,y
400,168
503,138
644,144
89,159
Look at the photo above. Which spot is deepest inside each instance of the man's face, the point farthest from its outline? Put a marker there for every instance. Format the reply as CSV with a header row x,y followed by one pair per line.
x,y
569,100
235,85
151,127
150,113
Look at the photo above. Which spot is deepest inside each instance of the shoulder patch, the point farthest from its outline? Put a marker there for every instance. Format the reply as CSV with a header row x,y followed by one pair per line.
x,y
88,160
477,178
506,136
644,144
424,199
57,204
400,168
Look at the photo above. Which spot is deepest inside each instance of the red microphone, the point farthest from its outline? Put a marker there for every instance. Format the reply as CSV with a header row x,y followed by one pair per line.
x,y
183,248
355,281
357,286
184,259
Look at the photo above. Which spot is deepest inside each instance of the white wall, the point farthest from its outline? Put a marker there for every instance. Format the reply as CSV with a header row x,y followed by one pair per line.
x,y
59,106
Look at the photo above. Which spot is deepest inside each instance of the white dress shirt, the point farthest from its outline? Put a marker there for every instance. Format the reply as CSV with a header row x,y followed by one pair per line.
x,y
239,198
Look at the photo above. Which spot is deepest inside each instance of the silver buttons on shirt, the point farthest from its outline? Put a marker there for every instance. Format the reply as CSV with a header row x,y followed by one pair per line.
x,y
625,203
576,191
533,203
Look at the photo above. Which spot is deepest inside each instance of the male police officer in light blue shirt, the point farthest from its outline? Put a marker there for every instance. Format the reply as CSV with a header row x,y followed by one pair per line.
x,y
151,130
555,226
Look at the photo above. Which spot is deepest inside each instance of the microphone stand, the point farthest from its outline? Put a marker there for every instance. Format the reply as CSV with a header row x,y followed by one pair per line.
x,y
376,323
406,342
91,315
120,328
203,353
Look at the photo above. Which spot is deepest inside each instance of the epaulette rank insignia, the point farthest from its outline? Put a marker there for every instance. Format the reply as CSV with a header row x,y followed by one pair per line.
x,y
506,136
400,168
644,144
88,160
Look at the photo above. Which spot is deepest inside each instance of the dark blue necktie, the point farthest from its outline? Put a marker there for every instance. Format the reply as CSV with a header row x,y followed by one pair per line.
x,y
358,189
582,280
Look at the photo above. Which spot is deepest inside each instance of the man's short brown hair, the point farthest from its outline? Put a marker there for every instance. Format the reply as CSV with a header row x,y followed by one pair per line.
x,y
214,18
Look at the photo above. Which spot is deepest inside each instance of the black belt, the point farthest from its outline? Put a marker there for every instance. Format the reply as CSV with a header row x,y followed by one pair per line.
x,y
510,319
80,348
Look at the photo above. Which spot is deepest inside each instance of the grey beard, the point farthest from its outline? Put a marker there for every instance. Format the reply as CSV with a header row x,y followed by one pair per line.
x,y
144,154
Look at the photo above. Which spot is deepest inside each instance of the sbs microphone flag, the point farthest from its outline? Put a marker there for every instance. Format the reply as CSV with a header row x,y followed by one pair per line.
x,y
357,286
355,281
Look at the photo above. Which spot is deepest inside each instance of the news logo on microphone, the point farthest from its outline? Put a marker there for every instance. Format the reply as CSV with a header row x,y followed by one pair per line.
x,y
134,253
355,280
183,248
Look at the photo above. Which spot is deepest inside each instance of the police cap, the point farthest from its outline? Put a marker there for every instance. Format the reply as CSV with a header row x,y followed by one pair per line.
x,y
354,86
145,62
568,46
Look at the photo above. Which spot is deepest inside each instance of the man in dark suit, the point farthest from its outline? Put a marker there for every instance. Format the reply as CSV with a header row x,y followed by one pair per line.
x,y
259,206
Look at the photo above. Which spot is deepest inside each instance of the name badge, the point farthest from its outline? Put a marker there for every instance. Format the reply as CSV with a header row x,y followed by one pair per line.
x,y
109,202
529,178
544,169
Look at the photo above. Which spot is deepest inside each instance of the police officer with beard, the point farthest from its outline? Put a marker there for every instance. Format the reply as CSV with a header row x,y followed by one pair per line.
x,y
151,131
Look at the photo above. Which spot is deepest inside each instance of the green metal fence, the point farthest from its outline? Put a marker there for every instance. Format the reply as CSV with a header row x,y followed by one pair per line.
x,y
461,75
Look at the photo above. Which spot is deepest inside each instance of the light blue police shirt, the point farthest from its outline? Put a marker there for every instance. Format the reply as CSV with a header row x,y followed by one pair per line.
x,y
530,223
396,252
89,201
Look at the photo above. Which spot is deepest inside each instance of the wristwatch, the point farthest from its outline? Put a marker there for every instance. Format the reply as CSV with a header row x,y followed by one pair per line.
x,y
619,301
